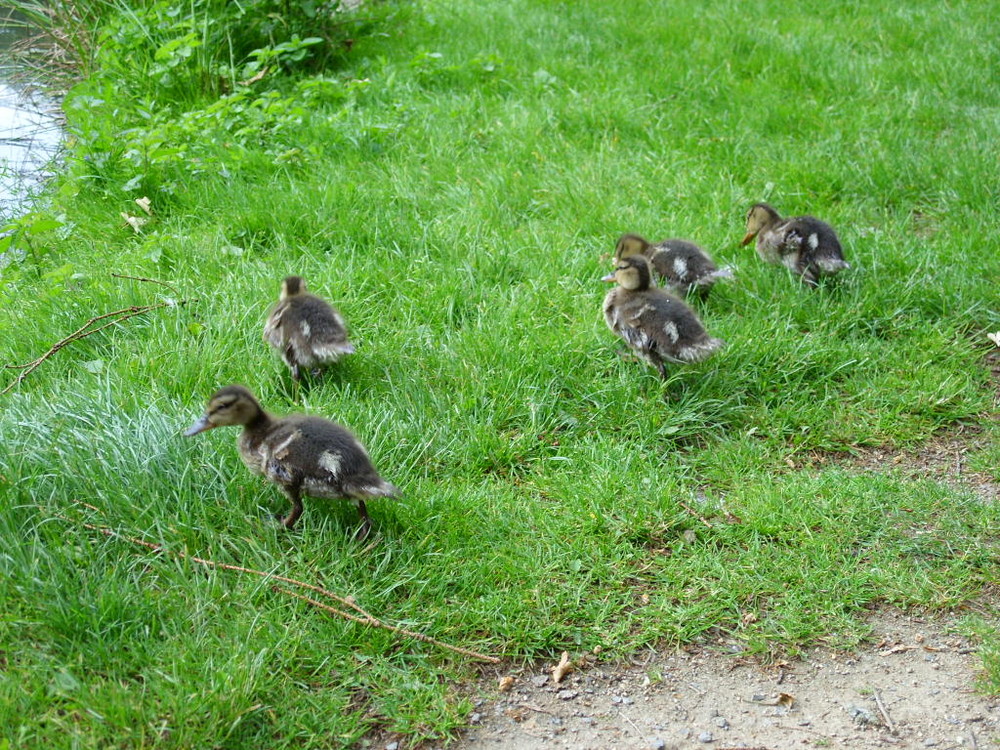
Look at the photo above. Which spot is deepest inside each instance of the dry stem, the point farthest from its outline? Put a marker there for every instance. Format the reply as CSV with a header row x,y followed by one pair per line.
x,y
82,332
363,617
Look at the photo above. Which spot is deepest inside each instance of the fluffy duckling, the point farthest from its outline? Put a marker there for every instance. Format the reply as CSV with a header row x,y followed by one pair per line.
x,y
659,326
303,455
682,265
803,244
305,329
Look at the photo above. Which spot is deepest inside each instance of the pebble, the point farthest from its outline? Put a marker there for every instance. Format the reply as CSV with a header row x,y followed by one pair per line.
x,y
721,723
706,737
930,742
567,695
392,746
539,680
657,744
475,718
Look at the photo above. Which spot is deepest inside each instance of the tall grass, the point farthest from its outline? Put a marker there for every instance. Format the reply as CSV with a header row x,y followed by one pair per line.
x,y
451,182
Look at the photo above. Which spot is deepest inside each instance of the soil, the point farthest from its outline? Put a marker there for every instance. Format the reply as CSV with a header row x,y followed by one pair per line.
x,y
912,686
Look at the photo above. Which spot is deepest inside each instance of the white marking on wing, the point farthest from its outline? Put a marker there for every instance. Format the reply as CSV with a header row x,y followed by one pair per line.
x,y
670,328
813,240
680,267
281,450
306,330
331,462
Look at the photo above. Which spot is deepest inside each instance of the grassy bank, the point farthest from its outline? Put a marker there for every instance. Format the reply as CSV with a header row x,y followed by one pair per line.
x,y
451,178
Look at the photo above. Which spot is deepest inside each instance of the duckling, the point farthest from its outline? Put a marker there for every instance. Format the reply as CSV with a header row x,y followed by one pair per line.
x,y
682,265
803,244
305,329
659,326
302,454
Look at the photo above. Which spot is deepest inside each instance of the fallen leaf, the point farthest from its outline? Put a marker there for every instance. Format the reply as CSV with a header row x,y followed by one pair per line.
x,y
561,669
145,204
897,650
136,222
506,683
781,699
256,77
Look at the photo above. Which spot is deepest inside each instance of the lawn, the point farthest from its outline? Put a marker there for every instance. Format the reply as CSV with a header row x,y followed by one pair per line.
x,y
454,179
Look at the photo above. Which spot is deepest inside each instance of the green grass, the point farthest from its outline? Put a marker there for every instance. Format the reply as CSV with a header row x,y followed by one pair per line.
x,y
456,208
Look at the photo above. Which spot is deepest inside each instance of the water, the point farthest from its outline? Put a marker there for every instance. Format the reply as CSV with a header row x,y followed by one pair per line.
x,y
30,132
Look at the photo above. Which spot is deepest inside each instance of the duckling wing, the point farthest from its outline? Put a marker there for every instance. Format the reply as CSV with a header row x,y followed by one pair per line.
x,y
652,322
328,460
272,326
671,330
316,332
810,237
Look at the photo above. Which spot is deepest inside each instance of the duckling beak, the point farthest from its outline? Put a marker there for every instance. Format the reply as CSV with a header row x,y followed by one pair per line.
x,y
749,236
200,426
609,277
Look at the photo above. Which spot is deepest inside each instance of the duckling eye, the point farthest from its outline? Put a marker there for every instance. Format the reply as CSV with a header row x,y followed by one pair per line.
x,y
220,405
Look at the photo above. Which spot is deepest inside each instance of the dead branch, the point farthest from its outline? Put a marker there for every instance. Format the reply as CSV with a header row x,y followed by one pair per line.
x,y
376,623
884,711
695,514
362,617
82,332
151,281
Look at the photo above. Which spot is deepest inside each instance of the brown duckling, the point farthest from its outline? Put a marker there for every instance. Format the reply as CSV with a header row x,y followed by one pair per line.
x,y
682,266
303,455
803,244
657,325
305,329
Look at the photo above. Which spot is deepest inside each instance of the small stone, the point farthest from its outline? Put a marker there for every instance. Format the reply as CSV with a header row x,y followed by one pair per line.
x,y
539,680
392,746
721,723
931,742
567,695
475,718
657,744
706,737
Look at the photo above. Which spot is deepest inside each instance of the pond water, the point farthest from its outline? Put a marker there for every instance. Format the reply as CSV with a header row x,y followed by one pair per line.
x,y
30,131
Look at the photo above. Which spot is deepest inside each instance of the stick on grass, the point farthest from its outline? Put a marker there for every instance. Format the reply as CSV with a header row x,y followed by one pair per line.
x,y
82,332
362,617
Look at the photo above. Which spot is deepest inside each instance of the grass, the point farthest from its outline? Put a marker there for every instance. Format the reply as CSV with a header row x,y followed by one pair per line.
x,y
454,196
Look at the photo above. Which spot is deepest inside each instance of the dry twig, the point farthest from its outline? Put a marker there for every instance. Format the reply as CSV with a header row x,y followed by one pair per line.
x,y
151,281
696,514
362,617
884,711
82,332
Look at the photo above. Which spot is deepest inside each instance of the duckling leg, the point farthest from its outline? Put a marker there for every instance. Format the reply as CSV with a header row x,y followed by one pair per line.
x,y
366,522
294,494
660,367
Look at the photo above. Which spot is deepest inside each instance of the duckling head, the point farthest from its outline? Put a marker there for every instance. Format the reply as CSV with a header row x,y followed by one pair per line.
x,y
759,216
630,244
231,405
631,273
292,285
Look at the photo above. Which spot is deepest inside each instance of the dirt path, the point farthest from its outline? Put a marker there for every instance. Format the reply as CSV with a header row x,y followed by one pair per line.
x,y
913,689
